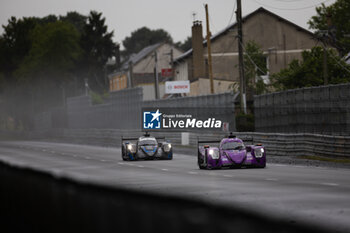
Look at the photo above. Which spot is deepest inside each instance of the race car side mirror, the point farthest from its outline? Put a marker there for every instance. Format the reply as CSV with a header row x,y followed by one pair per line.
x,y
249,149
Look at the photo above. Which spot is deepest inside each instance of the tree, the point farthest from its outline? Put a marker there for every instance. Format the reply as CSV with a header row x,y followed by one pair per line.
x,y
186,45
46,70
255,67
48,19
42,59
15,44
98,47
309,71
55,49
142,38
335,20
76,19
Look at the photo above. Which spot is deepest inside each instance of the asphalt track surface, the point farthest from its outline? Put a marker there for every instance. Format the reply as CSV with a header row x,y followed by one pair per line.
x,y
316,195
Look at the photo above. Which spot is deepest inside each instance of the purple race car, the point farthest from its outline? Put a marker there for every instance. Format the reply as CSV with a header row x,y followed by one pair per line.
x,y
231,153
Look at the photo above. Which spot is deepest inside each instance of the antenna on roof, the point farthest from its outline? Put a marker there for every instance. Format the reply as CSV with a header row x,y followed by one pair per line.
x,y
194,14
231,135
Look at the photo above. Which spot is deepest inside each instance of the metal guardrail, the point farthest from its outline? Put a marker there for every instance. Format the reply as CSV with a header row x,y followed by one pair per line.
x,y
275,143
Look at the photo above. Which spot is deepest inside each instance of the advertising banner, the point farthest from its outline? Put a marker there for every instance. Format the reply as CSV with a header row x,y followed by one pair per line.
x,y
177,87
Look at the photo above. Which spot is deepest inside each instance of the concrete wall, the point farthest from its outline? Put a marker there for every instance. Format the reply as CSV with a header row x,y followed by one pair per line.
x,y
123,110
324,110
149,93
36,201
202,87
221,106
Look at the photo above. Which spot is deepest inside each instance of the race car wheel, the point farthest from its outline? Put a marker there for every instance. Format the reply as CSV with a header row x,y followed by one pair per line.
x,y
170,157
200,162
123,153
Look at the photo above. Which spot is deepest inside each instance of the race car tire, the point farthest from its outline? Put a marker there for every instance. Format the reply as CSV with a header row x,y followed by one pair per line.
x,y
123,152
166,157
199,162
170,158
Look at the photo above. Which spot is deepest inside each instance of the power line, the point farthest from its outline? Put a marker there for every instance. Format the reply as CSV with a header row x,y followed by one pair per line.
x,y
300,8
336,60
251,60
232,13
289,1
212,24
228,45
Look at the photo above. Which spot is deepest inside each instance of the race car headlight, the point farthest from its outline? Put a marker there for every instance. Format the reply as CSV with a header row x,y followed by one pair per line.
x,y
167,147
213,153
259,152
131,148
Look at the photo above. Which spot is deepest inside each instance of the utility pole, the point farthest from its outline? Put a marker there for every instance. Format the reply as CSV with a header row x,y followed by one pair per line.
x,y
209,51
325,64
171,63
130,75
240,58
323,36
156,85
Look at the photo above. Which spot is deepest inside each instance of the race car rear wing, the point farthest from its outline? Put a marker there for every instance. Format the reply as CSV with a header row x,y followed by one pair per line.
x,y
129,139
213,141
135,139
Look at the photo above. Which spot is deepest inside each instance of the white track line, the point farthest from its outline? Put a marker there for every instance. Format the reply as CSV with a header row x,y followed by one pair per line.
x,y
271,179
330,184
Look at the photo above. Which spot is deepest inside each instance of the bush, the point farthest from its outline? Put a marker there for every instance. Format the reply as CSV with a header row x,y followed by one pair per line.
x,y
96,98
245,122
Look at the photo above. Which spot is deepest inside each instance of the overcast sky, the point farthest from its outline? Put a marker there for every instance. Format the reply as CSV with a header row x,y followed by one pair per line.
x,y
176,16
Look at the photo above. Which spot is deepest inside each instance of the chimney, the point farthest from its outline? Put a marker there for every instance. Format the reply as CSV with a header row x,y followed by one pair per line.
x,y
197,46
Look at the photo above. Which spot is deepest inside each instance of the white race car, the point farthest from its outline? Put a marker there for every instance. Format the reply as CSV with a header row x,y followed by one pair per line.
x,y
146,147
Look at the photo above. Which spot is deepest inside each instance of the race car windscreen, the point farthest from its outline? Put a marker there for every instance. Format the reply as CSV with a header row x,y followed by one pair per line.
x,y
232,146
148,142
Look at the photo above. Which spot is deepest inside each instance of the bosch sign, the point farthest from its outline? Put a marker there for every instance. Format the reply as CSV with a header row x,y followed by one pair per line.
x,y
174,87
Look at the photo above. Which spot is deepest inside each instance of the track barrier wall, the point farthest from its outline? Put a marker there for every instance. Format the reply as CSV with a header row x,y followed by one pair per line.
x,y
320,110
36,201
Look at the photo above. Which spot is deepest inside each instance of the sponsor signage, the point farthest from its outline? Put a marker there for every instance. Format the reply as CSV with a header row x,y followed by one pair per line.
x,y
226,126
179,119
167,72
177,87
